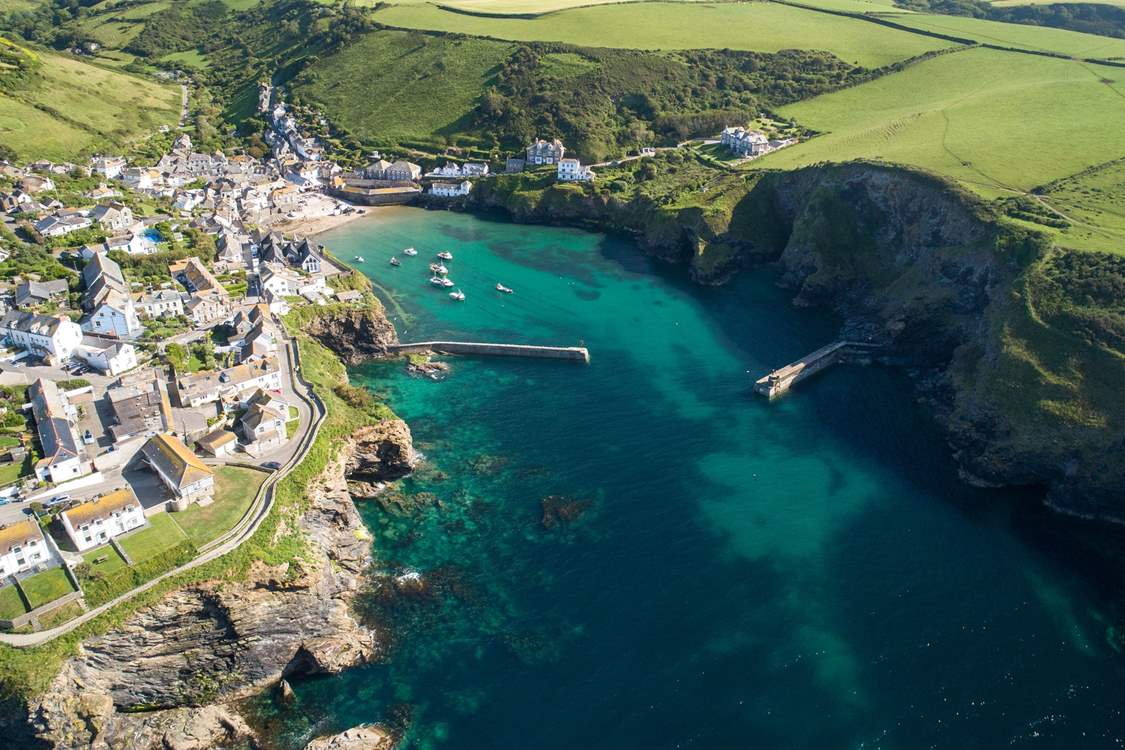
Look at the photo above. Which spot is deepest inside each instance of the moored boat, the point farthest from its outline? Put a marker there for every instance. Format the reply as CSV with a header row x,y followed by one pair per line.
x,y
445,255
409,251
395,261
437,281
504,289
358,259
458,295
446,282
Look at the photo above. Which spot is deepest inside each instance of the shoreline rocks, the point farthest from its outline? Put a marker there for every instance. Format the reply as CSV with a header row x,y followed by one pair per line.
x,y
170,675
362,737
354,335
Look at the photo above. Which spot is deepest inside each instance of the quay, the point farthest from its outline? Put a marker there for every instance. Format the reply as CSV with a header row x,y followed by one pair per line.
x,y
570,353
782,379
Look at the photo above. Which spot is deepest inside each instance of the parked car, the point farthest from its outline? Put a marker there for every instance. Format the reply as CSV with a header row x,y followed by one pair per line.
x,y
57,500
271,465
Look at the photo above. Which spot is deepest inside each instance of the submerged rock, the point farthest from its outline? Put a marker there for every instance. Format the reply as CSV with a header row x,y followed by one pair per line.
x,y
363,737
559,509
422,366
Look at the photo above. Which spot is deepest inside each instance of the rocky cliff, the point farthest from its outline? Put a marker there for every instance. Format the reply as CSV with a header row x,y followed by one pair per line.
x,y
1023,388
353,334
169,677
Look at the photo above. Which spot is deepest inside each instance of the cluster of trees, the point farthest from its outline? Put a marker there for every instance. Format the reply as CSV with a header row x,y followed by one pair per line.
x,y
617,100
1091,18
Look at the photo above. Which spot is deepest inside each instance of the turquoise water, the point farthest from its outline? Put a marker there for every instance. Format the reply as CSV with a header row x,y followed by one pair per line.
x,y
801,574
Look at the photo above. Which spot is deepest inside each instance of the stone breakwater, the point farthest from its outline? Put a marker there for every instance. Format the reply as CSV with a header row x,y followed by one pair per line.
x,y
172,674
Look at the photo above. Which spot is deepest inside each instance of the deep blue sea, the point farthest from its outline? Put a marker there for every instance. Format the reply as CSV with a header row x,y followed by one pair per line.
x,y
807,573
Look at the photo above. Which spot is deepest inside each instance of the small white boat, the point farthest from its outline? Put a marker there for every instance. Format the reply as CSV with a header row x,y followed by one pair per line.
x,y
358,259
395,261
504,289
445,255
439,269
437,281
446,282
409,251
458,295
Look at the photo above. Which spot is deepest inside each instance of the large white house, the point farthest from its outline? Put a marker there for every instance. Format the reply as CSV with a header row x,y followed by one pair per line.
x,y
47,336
545,152
745,142
571,170
284,282
114,217
451,189
107,357
62,459
161,303
22,547
97,521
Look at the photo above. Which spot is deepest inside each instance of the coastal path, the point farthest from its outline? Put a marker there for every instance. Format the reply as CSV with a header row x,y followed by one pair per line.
x,y
232,540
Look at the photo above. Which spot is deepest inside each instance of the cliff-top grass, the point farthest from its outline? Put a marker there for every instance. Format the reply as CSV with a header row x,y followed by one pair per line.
x,y
760,27
1000,123
1018,36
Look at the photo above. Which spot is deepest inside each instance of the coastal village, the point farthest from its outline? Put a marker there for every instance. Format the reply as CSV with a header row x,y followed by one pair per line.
x,y
147,385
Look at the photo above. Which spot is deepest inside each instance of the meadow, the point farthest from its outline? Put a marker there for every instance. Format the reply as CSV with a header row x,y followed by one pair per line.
x,y
998,122
427,96
1094,203
1017,36
72,107
761,27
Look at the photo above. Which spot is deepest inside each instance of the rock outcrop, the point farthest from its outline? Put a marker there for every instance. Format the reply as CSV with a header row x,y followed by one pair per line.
x,y
355,335
169,675
383,452
363,737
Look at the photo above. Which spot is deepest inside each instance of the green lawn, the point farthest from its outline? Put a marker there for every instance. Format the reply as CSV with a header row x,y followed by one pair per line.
x,y
190,59
1020,36
11,604
10,473
9,441
996,121
113,562
761,27
1094,203
235,488
452,73
161,534
47,586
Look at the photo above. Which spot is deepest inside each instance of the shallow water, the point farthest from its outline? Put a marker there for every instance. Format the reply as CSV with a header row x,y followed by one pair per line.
x,y
800,574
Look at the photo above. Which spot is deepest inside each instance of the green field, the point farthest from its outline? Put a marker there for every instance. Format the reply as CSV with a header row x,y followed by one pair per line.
x,y
73,107
996,121
190,59
161,534
235,488
761,27
1011,3
1018,36
47,586
1094,203
432,94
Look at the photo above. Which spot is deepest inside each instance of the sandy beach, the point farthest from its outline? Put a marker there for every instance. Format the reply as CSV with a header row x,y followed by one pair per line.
x,y
314,225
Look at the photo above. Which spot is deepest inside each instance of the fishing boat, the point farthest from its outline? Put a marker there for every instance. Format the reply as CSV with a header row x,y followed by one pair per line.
x,y
358,259
504,289
395,261
437,281
445,282
445,255
410,251
458,295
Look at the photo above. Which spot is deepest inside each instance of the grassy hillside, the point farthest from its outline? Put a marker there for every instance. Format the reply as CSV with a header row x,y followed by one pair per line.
x,y
65,107
1037,38
762,27
427,88
995,121
440,90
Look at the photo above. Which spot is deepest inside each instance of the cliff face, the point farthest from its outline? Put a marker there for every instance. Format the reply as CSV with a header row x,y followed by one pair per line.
x,y
169,676
912,262
353,334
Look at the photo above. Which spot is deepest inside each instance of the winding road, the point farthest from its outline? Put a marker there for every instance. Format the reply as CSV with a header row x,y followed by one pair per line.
x,y
232,540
